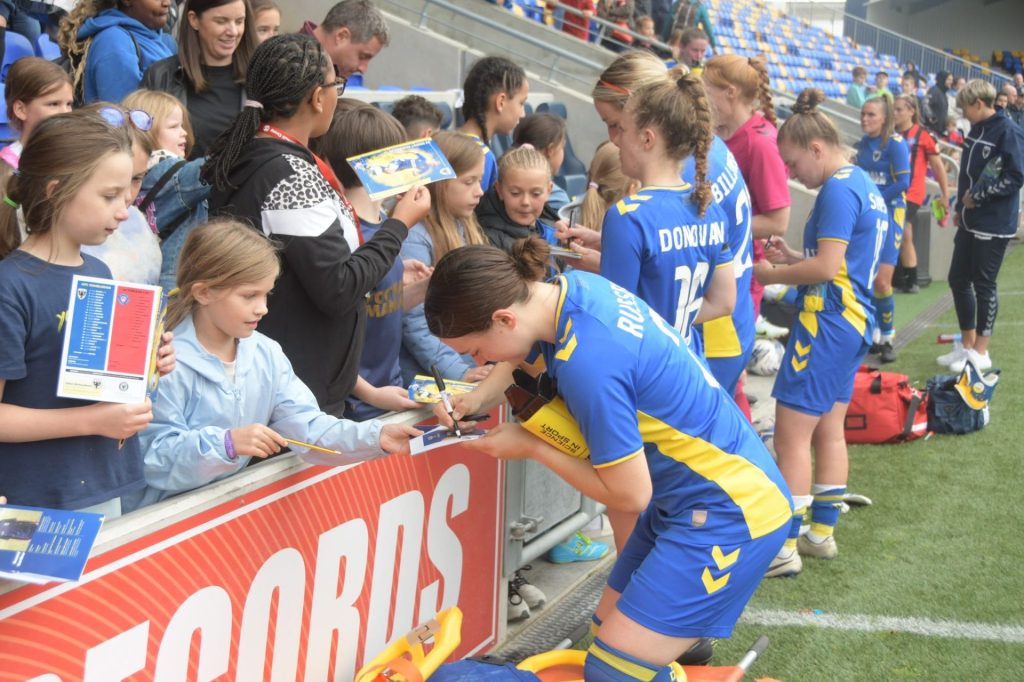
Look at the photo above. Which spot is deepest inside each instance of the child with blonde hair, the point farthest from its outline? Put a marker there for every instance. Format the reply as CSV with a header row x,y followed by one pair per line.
x,y
173,198
514,207
451,223
234,395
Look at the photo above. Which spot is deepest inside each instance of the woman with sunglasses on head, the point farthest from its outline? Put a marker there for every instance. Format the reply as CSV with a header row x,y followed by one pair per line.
x,y
263,172
215,42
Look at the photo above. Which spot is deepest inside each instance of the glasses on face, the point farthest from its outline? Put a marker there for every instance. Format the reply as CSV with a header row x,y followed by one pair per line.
x,y
119,118
339,83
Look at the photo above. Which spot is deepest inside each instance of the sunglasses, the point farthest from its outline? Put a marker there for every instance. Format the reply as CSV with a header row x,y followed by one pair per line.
x,y
119,118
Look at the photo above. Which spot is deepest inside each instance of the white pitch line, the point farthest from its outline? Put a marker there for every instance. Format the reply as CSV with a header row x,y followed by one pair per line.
x,y
926,627
999,323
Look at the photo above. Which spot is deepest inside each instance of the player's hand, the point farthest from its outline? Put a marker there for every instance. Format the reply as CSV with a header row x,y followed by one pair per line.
x,y
578,234
257,440
120,420
477,373
763,271
968,200
391,398
165,356
462,404
394,438
778,252
413,206
505,441
590,261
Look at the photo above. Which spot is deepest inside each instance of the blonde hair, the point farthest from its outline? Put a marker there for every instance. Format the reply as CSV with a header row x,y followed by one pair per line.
x,y
66,149
748,75
525,157
629,72
679,109
607,185
808,124
160,105
222,254
976,89
464,153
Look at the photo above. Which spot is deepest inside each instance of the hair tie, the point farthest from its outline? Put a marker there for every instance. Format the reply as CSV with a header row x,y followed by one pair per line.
x,y
16,173
616,88
252,104
11,202
526,145
593,185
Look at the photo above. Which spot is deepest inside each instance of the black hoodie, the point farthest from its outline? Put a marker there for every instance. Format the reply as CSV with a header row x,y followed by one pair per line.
x,y
318,309
938,104
499,227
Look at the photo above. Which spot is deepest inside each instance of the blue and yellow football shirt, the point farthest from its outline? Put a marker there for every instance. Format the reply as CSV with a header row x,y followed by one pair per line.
x,y
888,168
851,210
635,388
656,245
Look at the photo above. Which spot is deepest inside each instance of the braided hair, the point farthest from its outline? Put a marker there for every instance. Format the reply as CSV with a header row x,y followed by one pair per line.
x,y
67,36
748,76
488,77
678,108
283,71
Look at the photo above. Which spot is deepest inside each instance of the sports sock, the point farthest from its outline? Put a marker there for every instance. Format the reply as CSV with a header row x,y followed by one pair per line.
x,y
828,500
800,504
911,278
605,663
885,315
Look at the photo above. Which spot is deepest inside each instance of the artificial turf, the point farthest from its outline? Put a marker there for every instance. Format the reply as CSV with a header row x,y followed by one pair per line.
x,y
941,542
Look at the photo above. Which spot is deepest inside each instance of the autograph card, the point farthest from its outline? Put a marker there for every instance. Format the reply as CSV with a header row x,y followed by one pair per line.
x,y
392,170
439,437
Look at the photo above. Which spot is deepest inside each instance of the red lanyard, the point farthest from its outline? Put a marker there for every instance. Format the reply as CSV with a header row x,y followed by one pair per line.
x,y
325,170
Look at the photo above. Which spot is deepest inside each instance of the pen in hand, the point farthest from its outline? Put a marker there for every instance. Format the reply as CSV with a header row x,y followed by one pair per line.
x,y
446,398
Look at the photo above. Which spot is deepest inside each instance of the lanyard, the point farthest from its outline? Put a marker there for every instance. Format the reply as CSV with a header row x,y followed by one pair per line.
x,y
325,170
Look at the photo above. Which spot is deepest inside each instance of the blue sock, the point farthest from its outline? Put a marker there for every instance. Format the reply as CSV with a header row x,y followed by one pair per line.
x,y
885,314
800,505
607,664
828,500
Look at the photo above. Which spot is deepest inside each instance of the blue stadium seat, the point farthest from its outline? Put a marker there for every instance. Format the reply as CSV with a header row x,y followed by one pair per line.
x,y
17,46
446,115
386,107
46,48
7,133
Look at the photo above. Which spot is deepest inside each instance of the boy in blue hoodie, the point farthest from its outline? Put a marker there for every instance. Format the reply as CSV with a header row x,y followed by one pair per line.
x,y
118,42
987,214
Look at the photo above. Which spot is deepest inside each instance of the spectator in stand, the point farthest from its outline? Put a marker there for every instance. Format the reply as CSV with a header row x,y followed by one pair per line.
x,y
661,11
859,90
923,155
620,13
111,43
208,74
262,171
645,27
1018,82
352,33
418,116
882,87
267,19
987,214
578,24
953,134
692,14
911,71
1014,107
693,45
15,17
451,223
380,387
35,90
938,103
1002,99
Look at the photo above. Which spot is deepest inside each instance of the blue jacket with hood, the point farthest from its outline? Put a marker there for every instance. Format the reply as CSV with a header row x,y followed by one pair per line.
x,y
992,171
184,444
121,51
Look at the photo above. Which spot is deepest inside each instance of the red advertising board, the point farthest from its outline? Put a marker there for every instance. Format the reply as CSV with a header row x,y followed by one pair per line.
x,y
302,579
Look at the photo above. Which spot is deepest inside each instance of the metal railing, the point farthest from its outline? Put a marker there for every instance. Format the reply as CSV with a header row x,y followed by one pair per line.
x,y
555,56
600,32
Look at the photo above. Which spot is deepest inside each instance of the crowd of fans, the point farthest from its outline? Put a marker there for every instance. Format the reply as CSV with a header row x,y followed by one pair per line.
x,y
214,162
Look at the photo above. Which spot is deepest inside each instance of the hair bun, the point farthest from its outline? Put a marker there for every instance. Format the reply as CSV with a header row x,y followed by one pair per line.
x,y
526,145
808,100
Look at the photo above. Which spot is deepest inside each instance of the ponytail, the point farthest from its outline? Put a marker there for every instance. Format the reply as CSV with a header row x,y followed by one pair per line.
x,y
807,123
680,110
470,283
764,89
10,232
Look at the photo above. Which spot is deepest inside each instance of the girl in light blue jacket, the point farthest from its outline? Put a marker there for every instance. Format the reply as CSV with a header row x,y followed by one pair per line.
x,y
234,395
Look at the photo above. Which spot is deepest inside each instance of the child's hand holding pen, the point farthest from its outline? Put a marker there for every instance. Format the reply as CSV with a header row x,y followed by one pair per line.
x,y
255,440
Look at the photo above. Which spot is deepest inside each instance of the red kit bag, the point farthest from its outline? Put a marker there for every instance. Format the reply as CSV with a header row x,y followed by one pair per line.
x,y
885,408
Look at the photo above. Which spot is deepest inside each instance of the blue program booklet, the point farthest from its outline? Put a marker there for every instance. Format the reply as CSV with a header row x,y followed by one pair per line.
x,y
45,545
393,170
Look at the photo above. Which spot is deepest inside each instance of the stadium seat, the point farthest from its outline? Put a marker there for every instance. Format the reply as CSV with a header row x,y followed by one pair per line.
x,y
572,164
17,46
46,48
7,133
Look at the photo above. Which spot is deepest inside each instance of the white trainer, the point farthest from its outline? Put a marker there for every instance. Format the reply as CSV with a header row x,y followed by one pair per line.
x,y
981,361
766,329
946,359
